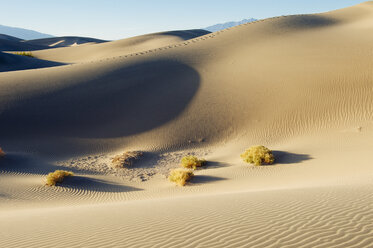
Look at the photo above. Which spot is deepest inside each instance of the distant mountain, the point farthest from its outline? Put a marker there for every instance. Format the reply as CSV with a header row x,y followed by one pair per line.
x,y
222,26
22,33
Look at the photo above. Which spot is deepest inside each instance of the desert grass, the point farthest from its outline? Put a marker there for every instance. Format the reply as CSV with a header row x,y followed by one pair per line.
x,y
27,54
57,177
192,162
180,176
126,159
2,153
258,155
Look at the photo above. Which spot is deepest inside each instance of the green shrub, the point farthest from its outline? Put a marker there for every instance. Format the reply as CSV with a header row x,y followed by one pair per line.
x,y
2,153
258,155
126,159
180,176
27,54
57,177
192,162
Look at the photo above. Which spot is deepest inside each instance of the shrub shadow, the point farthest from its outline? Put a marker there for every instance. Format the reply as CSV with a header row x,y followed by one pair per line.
x,y
282,157
97,185
203,179
214,165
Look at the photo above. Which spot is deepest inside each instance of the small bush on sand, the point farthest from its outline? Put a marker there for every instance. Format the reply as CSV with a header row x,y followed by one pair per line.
x,y
180,176
126,159
192,162
57,177
2,153
27,54
258,155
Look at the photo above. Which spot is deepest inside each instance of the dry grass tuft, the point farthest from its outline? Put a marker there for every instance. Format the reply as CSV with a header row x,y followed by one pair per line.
x,y
2,153
126,159
57,177
27,54
258,155
180,176
192,162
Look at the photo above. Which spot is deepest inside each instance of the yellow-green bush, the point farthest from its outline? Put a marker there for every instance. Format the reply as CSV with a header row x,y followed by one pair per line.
x,y
57,177
192,162
180,176
126,159
27,54
258,155
2,153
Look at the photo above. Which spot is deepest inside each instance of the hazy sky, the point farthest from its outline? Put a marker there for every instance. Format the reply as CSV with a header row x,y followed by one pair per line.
x,y
115,19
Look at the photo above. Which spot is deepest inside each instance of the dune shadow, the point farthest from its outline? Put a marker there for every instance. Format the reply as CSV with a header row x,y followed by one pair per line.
x,y
11,62
186,34
282,157
305,21
21,163
125,101
97,185
203,179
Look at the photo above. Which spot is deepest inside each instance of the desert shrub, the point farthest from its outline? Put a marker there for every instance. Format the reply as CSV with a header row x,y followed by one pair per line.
x,y
57,177
192,162
180,176
126,159
27,54
258,155
2,153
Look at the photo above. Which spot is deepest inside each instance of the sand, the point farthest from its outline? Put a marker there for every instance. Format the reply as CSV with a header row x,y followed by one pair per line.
x,y
300,85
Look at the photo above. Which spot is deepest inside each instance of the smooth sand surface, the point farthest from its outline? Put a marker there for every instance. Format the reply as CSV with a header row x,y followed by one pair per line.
x,y
300,85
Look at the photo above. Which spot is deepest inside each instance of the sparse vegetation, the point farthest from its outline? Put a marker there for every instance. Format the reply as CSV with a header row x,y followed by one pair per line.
x,y
126,159
258,155
192,162
57,177
180,176
27,54
2,153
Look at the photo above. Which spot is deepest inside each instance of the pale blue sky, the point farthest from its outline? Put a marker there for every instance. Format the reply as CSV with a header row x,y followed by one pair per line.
x,y
115,19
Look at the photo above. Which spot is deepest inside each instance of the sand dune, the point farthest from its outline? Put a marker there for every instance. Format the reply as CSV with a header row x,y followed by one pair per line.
x,y
8,37
11,62
7,44
64,41
118,48
301,85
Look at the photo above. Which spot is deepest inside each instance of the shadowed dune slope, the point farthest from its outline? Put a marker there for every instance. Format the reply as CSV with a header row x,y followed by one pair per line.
x,y
8,37
18,45
265,82
63,41
9,43
11,62
119,47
